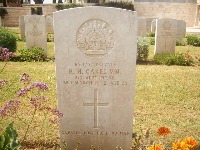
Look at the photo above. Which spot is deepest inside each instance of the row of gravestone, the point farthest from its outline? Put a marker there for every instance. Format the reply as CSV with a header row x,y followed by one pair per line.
x,y
146,25
95,55
35,29
167,31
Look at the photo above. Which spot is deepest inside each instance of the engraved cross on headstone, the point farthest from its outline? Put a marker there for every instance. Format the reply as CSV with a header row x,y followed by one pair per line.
x,y
95,105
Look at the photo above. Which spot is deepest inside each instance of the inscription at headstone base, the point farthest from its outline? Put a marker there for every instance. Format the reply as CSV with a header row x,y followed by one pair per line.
x,y
35,32
22,27
165,37
95,55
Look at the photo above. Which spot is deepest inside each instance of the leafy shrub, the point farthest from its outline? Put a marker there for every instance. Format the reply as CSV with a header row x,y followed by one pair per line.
x,y
50,38
3,12
8,39
174,59
193,39
123,5
142,49
67,6
151,34
34,54
9,141
151,40
182,42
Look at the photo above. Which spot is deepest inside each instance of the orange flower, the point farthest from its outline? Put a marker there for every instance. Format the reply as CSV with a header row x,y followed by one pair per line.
x,y
163,131
188,56
180,145
187,144
190,142
155,147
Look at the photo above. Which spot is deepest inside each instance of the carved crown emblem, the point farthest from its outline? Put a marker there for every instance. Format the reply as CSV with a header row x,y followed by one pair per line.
x,y
167,25
95,38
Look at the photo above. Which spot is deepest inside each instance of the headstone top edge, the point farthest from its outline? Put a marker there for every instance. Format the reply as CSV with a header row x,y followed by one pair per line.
x,y
93,7
167,18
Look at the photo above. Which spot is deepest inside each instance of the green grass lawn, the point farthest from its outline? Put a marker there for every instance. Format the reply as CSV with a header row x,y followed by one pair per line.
x,y
164,96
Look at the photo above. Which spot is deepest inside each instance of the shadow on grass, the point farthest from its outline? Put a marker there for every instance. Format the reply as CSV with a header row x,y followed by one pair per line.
x,y
147,62
38,144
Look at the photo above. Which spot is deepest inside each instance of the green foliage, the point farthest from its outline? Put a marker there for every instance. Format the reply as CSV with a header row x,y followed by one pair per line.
x,y
36,10
151,40
174,59
8,39
192,39
67,6
9,141
34,54
50,37
123,5
151,34
182,42
142,49
3,12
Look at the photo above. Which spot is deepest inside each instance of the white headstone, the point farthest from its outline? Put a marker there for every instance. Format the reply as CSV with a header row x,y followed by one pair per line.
x,y
35,32
181,29
49,24
95,54
22,27
165,38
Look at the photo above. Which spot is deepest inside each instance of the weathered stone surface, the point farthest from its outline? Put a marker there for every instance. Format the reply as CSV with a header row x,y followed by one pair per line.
x,y
181,29
49,24
35,32
22,27
166,31
95,54
142,24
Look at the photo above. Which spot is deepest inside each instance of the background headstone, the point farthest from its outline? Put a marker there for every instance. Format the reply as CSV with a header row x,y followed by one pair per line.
x,y
49,24
181,29
148,24
95,54
153,25
165,37
0,22
144,26
22,27
35,32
